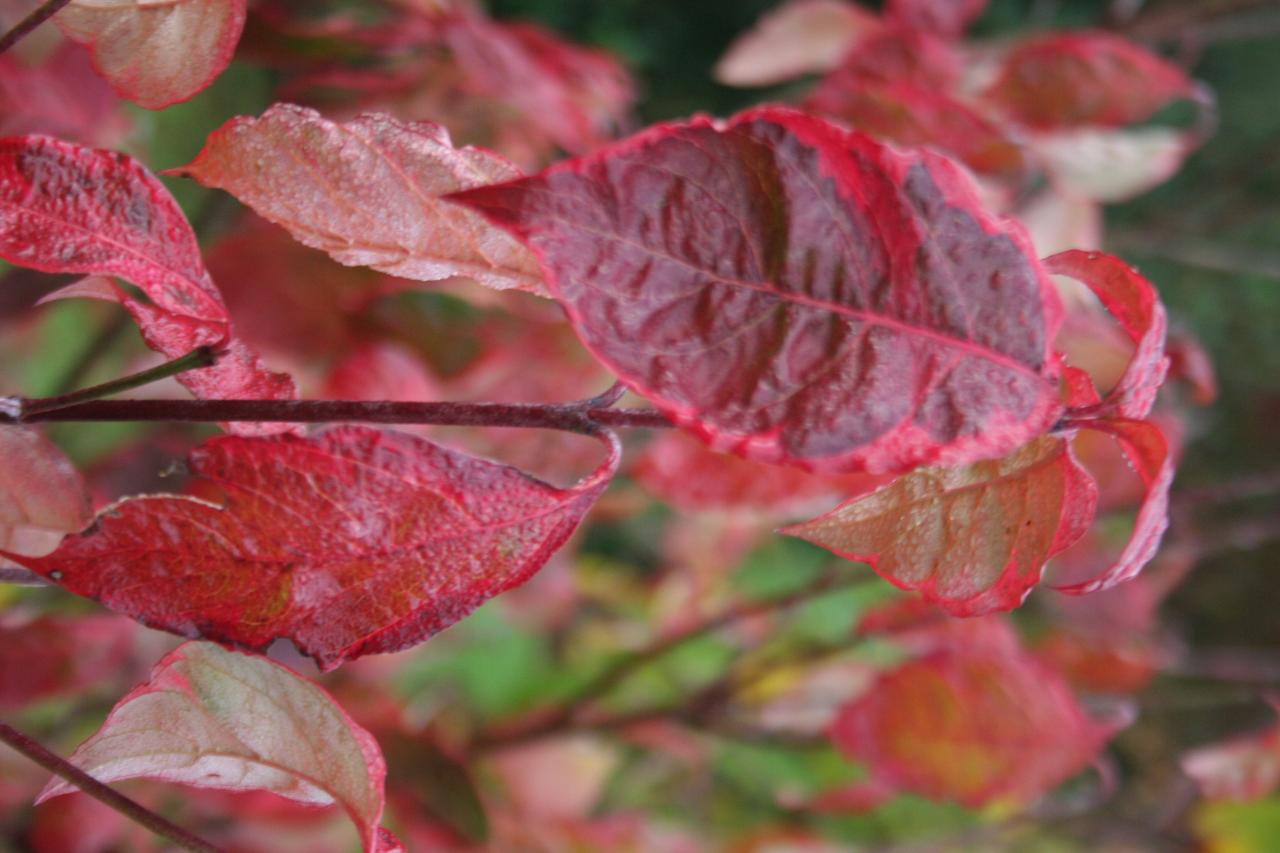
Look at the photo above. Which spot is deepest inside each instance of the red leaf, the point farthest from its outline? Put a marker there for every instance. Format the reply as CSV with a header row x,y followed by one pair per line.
x,y
1148,451
798,37
351,542
1083,78
60,655
42,495
1244,768
944,17
972,540
798,293
213,718
576,96
367,192
913,115
972,725
157,54
685,473
64,208
1133,301
73,102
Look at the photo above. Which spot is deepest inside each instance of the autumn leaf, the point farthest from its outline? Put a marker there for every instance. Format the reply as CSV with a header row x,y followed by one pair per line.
x,y
798,37
156,54
798,293
975,725
65,208
74,103
1147,450
1064,80
42,495
351,542
944,17
367,192
1243,768
972,540
60,655
685,473
214,718
1133,301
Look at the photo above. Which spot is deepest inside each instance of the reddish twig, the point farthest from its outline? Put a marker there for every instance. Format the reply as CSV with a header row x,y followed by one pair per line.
x,y
571,417
131,809
42,13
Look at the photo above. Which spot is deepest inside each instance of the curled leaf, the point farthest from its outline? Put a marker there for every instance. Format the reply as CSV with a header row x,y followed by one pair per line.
x,y
1147,449
351,542
214,718
1133,301
797,293
972,540
156,53
368,193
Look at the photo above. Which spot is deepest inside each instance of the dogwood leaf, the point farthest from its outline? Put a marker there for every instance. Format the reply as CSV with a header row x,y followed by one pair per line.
x,y
351,542
796,292
156,54
973,539
215,718
69,209
368,193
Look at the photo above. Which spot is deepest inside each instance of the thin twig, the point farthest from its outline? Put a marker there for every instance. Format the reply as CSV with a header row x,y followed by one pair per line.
x,y
42,13
131,809
568,417
197,358
571,712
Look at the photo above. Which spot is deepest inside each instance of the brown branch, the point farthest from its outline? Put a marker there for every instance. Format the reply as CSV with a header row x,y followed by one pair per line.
x,y
42,13
130,808
571,417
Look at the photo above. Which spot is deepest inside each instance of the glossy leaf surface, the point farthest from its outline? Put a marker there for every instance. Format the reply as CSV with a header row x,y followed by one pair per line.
x,y
156,54
352,542
970,724
368,193
973,539
214,718
1133,301
1084,78
64,208
798,293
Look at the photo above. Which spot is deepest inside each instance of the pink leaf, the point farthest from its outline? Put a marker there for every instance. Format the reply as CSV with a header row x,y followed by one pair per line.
x,y
1084,78
972,540
1133,301
60,656
64,208
42,495
945,17
73,102
156,54
799,37
214,718
1148,451
576,96
368,193
351,542
1244,768
973,725
798,293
